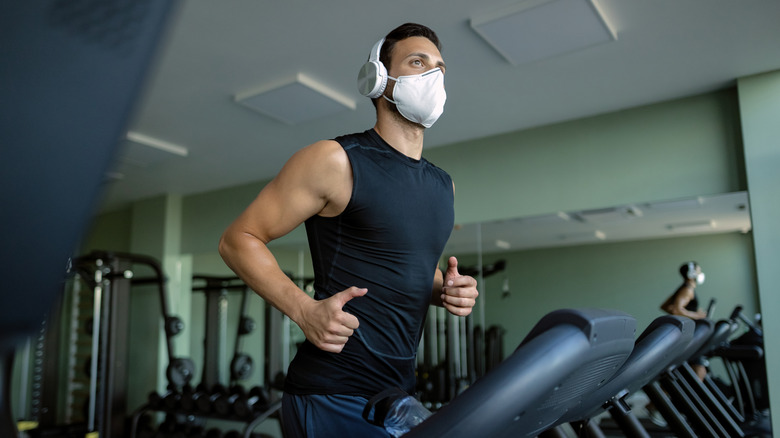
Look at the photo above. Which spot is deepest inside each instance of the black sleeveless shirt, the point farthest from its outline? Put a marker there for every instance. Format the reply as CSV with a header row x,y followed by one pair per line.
x,y
693,305
389,240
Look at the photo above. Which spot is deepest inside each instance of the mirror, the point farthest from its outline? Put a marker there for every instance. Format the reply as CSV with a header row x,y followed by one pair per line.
x,y
622,257
721,213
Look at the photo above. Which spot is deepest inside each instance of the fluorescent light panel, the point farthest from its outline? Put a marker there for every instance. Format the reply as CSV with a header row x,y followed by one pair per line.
x,y
503,244
142,151
690,227
587,236
677,204
610,214
547,219
162,145
538,29
296,100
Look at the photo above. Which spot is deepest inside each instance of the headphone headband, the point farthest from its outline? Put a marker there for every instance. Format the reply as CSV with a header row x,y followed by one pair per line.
x,y
374,55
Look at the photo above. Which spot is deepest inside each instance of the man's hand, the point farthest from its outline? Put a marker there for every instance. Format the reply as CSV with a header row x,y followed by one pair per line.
x,y
326,325
459,293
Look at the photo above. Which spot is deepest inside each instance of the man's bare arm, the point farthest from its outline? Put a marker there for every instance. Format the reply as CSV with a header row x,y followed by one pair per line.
x,y
676,304
315,180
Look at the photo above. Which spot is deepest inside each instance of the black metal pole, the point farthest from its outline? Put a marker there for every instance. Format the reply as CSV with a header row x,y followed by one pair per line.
x,y
626,420
667,409
7,423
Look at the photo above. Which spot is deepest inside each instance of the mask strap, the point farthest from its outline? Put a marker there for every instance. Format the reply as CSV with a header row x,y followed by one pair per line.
x,y
385,96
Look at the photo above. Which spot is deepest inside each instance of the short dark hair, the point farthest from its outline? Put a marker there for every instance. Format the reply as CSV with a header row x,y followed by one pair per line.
x,y
402,32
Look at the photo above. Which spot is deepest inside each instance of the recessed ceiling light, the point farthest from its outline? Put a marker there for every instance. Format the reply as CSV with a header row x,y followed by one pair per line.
x,y
537,29
296,100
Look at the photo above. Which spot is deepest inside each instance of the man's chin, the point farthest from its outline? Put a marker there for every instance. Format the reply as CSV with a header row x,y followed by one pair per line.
x,y
400,117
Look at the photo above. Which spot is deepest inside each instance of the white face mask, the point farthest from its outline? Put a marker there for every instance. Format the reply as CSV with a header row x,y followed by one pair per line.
x,y
420,98
700,278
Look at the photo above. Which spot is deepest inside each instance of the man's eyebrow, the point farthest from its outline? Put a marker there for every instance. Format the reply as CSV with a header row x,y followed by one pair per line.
x,y
427,58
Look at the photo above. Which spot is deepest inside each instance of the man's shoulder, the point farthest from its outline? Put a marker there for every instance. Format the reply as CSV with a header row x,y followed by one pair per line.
x,y
327,154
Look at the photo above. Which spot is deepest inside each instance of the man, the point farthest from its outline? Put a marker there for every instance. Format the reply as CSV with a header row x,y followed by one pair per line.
x,y
377,217
683,302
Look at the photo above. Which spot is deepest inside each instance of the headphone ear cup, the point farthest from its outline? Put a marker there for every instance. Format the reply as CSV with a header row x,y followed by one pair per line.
x,y
372,79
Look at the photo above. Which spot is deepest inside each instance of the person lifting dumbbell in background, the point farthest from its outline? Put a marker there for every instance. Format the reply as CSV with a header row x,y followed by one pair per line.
x,y
377,217
683,302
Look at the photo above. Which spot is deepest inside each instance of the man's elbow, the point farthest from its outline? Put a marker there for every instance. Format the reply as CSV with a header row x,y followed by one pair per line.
x,y
225,248
235,241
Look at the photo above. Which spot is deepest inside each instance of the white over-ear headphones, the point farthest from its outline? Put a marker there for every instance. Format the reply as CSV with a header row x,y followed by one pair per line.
x,y
372,78
691,271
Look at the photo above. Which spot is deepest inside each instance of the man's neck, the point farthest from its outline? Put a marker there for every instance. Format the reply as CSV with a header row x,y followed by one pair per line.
x,y
404,136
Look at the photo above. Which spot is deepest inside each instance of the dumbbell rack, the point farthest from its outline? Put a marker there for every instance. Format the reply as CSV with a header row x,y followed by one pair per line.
x,y
217,403
210,399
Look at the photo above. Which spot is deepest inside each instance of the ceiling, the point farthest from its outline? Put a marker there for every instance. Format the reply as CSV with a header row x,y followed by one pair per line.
x,y
665,49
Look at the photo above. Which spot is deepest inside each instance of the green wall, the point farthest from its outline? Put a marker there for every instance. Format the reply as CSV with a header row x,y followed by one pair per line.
x,y
683,148
759,100
634,277
111,230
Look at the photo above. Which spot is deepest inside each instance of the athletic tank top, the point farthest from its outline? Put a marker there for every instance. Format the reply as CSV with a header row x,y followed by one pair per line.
x,y
693,305
389,240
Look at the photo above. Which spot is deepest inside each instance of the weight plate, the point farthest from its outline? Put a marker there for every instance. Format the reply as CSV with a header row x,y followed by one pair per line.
x,y
180,371
240,367
246,325
173,325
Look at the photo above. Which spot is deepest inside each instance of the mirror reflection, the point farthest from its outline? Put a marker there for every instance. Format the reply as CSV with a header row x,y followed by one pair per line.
x,y
622,257
712,214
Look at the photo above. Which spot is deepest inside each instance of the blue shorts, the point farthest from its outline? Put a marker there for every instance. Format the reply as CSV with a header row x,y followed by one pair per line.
x,y
326,416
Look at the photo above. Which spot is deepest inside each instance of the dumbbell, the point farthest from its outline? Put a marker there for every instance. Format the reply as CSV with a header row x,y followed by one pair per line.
x,y
255,401
197,432
168,401
225,403
205,403
189,429
214,433
155,400
185,401
181,431
167,428
189,402
144,428
172,400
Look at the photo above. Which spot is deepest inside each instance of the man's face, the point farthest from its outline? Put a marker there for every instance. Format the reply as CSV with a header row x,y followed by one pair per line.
x,y
413,56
